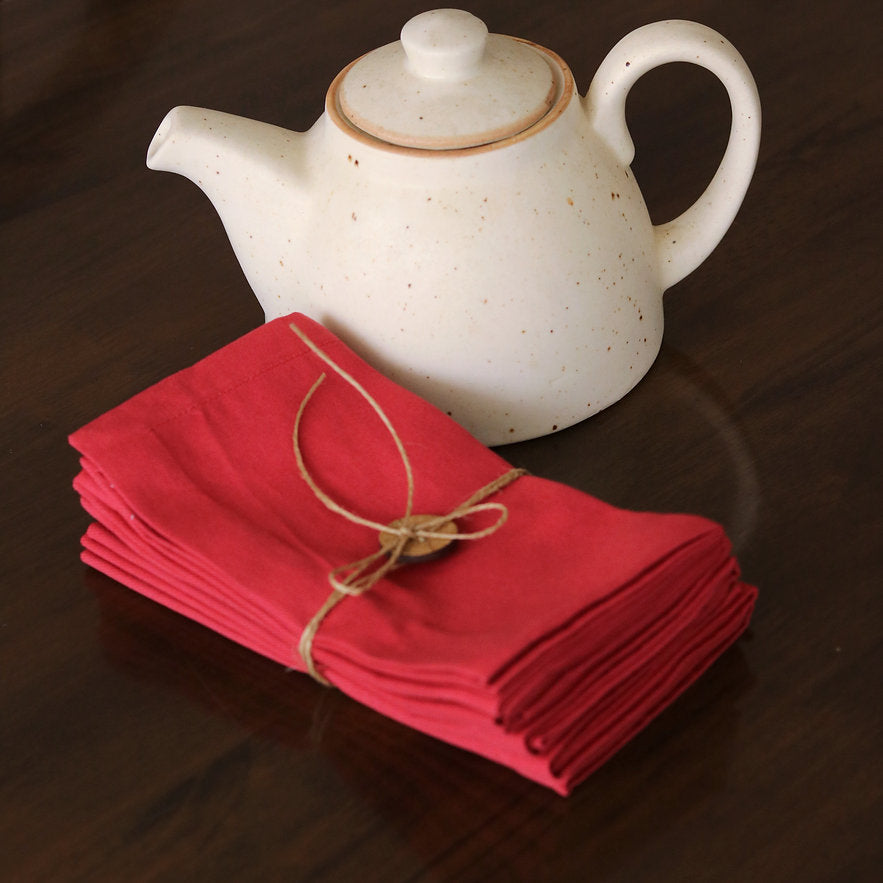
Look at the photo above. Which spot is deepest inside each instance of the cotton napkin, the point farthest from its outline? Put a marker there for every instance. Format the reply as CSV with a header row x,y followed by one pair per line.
x,y
545,644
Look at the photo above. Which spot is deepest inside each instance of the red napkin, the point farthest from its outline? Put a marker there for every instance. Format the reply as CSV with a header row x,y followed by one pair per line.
x,y
544,646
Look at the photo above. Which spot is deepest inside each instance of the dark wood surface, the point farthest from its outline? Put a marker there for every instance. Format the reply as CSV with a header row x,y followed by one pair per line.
x,y
135,745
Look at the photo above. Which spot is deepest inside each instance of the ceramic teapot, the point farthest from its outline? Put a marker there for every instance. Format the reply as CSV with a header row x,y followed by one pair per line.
x,y
468,223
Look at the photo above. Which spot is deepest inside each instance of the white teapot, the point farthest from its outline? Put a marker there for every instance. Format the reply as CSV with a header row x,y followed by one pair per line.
x,y
468,223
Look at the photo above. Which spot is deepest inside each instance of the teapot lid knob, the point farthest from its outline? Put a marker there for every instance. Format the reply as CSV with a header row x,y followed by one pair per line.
x,y
444,44
447,84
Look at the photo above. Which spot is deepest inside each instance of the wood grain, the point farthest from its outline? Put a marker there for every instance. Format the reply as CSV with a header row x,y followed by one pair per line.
x,y
136,745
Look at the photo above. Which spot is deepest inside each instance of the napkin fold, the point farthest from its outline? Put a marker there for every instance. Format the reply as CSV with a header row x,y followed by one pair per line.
x,y
545,645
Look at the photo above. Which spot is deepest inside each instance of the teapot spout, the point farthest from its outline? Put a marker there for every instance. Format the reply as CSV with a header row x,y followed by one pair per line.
x,y
188,137
199,143
253,173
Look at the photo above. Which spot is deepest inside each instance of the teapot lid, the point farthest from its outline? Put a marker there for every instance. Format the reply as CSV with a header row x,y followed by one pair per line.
x,y
447,84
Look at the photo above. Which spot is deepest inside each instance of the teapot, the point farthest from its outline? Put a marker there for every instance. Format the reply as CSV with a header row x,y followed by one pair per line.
x,y
467,222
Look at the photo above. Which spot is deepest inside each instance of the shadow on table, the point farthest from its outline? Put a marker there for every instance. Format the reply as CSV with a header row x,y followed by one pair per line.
x,y
459,815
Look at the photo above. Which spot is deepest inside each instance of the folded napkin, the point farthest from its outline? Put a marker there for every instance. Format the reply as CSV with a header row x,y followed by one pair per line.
x,y
545,641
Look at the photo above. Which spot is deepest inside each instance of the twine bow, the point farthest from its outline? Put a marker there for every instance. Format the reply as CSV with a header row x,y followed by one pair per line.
x,y
359,576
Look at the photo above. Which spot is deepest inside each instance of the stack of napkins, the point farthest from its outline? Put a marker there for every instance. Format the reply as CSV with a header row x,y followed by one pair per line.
x,y
544,645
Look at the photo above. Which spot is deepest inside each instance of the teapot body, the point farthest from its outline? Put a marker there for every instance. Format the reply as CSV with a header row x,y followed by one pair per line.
x,y
516,280
515,287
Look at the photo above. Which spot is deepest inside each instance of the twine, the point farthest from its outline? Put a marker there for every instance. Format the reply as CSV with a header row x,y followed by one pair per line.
x,y
357,577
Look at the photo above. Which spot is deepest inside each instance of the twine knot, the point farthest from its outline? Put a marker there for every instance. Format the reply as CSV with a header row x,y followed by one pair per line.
x,y
409,538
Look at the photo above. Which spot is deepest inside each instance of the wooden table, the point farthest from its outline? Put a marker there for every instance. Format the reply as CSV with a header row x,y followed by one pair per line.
x,y
135,745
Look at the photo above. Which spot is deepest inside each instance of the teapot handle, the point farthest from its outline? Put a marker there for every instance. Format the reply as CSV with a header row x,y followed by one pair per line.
x,y
685,242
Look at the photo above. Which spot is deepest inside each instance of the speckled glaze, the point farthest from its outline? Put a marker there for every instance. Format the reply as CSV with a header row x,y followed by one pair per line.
x,y
516,284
